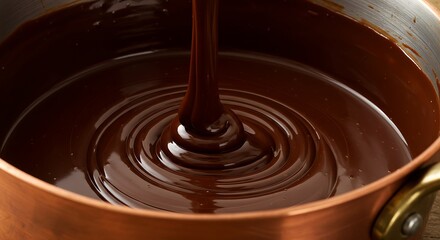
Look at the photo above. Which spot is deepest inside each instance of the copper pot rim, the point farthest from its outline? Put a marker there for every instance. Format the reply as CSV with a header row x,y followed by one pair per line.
x,y
435,9
377,185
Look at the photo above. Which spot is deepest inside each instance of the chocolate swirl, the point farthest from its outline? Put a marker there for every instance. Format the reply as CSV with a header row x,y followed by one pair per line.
x,y
296,157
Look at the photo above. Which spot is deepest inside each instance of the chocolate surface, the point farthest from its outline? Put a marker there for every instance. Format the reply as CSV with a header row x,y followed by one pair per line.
x,y
99,112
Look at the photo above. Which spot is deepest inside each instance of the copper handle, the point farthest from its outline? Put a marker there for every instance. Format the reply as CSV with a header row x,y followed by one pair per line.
x,y
404,216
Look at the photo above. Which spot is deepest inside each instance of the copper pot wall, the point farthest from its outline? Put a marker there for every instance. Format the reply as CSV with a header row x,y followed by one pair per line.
x,y
33,209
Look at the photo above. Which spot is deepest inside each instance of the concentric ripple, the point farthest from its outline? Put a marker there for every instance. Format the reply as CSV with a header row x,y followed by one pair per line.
x,y
298,157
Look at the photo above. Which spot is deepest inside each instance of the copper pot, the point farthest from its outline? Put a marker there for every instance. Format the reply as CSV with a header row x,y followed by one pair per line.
x,y
393,207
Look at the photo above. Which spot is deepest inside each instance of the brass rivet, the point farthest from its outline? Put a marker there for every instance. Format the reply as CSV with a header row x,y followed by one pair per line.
x,y
412,224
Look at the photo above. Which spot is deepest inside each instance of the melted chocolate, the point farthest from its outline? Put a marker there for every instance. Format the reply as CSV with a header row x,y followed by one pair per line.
x,y
206,134
111,124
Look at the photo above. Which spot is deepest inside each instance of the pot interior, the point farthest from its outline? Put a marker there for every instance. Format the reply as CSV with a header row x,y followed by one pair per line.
x,y
128,28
